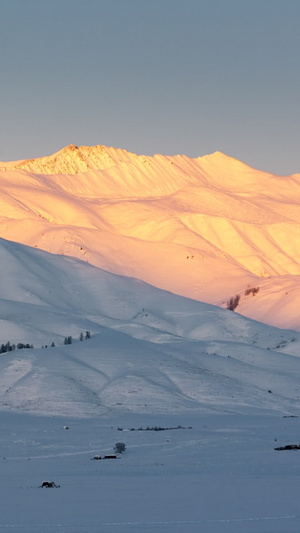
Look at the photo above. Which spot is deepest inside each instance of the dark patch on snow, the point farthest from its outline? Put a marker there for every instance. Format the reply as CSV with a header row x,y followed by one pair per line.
x,y
48,485
288,447
154,428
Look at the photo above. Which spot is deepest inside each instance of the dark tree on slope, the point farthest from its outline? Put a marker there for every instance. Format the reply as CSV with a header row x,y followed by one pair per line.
x,y
233,302
120,447
7,347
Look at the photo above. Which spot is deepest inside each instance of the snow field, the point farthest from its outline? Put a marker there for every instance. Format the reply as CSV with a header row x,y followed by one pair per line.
x,y
220,475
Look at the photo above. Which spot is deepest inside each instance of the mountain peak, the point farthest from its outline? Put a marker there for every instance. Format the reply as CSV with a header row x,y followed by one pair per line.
x,y
70,160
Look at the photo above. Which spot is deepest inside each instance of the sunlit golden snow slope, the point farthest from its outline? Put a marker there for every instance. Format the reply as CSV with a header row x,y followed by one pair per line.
x,y
204,228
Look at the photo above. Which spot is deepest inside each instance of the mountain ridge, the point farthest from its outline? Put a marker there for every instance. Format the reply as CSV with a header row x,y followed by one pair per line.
x,y
205,228
84,158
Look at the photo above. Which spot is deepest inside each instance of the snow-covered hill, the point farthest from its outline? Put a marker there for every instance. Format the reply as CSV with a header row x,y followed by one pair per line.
x,y
207,228
150,351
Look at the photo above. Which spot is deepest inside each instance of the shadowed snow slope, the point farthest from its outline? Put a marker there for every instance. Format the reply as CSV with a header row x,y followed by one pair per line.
x,y
205,228
150,351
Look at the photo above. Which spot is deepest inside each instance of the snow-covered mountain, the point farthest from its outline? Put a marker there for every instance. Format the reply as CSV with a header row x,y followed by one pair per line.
x,y
207,228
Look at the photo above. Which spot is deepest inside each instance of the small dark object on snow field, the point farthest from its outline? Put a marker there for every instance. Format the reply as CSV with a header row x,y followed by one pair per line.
x,y
119,447
110,456
288,447
97,457
48,485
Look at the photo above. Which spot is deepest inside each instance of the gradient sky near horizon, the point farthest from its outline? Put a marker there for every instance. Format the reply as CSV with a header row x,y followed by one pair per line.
x,y
152,76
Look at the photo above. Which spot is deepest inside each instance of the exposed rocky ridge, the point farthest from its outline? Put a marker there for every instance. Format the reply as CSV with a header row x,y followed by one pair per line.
x,y
71,160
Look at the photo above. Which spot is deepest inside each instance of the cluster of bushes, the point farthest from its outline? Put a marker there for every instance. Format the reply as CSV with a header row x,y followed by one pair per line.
x,y
10,347
154,428
233,302
82,336
85,336
251,290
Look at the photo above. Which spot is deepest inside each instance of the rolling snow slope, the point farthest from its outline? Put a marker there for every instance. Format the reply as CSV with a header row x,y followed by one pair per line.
x,y
205,228
150,351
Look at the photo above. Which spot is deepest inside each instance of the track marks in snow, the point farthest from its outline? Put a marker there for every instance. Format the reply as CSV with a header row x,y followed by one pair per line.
x,y
14,373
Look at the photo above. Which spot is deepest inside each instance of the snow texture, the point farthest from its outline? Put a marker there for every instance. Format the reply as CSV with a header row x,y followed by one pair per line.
x,y
201,396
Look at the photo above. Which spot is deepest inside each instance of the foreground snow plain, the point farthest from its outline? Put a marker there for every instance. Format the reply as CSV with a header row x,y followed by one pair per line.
x,y
220,476
224,388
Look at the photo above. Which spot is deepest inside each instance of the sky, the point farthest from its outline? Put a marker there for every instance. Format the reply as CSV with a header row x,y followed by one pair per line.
x,y
164,76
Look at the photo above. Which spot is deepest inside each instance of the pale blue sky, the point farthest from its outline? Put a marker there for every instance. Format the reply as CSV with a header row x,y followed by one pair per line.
x,y
167,76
